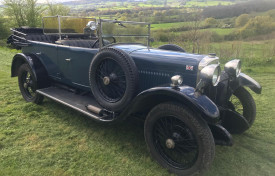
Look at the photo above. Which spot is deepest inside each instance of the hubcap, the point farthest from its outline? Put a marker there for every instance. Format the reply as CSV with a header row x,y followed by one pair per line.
x,y
170,143
106,80
28,84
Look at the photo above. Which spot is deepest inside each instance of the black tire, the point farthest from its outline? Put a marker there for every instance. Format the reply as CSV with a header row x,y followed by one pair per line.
x,y
242,102
28,84
113,78
185,126
172,47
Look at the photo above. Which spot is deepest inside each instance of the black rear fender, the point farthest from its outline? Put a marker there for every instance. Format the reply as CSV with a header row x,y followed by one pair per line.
x,y
185,95
35,64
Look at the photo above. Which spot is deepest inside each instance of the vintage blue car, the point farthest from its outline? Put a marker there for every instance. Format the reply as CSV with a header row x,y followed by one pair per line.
x,y
107,70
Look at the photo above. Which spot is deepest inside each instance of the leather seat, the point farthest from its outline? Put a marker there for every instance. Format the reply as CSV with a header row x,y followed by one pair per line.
x,y
42,38
79,43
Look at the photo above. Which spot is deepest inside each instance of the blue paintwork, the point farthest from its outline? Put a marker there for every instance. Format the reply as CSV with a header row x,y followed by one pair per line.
x,y
155,66
185,95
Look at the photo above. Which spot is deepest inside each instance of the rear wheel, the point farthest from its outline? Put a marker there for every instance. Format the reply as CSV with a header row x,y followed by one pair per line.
x,y
28,84
179,139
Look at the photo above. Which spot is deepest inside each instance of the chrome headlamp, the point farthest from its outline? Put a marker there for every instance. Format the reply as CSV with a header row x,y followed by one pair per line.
x,y
233,67
211,74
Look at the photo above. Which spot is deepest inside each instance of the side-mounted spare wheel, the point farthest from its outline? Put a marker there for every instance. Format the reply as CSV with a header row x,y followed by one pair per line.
x,y
172,47
28,84
179,139
113,78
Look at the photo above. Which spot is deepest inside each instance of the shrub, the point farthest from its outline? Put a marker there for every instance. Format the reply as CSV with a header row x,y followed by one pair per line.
x,y
164,36
215,37
257,26
271,13
232,36
210,22
4,32
241,20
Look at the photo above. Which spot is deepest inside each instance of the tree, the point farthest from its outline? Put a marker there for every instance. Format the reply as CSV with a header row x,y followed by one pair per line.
x,y
33,13
57,9
4,32
241,20
210,22
194,33
23,12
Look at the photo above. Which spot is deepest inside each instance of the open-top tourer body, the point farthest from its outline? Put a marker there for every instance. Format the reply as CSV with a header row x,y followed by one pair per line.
x,y
107,70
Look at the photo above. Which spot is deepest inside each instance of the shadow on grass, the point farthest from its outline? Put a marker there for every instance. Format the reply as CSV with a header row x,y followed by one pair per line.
x,y
120,134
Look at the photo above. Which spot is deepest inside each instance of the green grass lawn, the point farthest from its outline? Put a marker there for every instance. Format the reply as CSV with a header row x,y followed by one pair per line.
x,y
51,139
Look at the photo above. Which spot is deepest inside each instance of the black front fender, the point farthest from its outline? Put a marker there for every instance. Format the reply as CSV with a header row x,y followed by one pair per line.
x,y
228,86
18,60
185,95
245,80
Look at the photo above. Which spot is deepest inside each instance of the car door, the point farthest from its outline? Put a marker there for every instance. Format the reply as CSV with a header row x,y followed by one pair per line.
x,y
74,64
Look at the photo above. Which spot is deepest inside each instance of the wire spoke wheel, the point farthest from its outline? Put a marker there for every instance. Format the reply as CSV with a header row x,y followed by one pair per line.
x,y
179,139
236,105
111,80
175,142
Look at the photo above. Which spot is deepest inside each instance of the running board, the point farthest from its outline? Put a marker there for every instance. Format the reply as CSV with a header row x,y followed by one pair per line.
x,y
77,102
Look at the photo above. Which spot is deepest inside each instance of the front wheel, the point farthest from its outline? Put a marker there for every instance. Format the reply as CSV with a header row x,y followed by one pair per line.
x,y
28,84
242,102
179,139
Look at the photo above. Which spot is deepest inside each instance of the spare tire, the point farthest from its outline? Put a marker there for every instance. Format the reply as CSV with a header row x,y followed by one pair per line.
x,y
113,78
172,47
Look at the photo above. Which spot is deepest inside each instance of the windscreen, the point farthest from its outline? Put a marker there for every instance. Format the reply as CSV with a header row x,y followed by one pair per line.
x,y
125,32
68,25
50,25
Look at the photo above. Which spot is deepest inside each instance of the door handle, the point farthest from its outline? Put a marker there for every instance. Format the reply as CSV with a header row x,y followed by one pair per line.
x,y
68,60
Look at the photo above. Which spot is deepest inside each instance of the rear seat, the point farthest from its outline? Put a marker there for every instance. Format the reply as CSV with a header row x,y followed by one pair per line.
x,y
80,43
42,38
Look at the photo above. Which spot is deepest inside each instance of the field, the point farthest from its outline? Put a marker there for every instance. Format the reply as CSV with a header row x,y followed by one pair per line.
x,y
51,139
168,25
129,5
252,53
208,3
